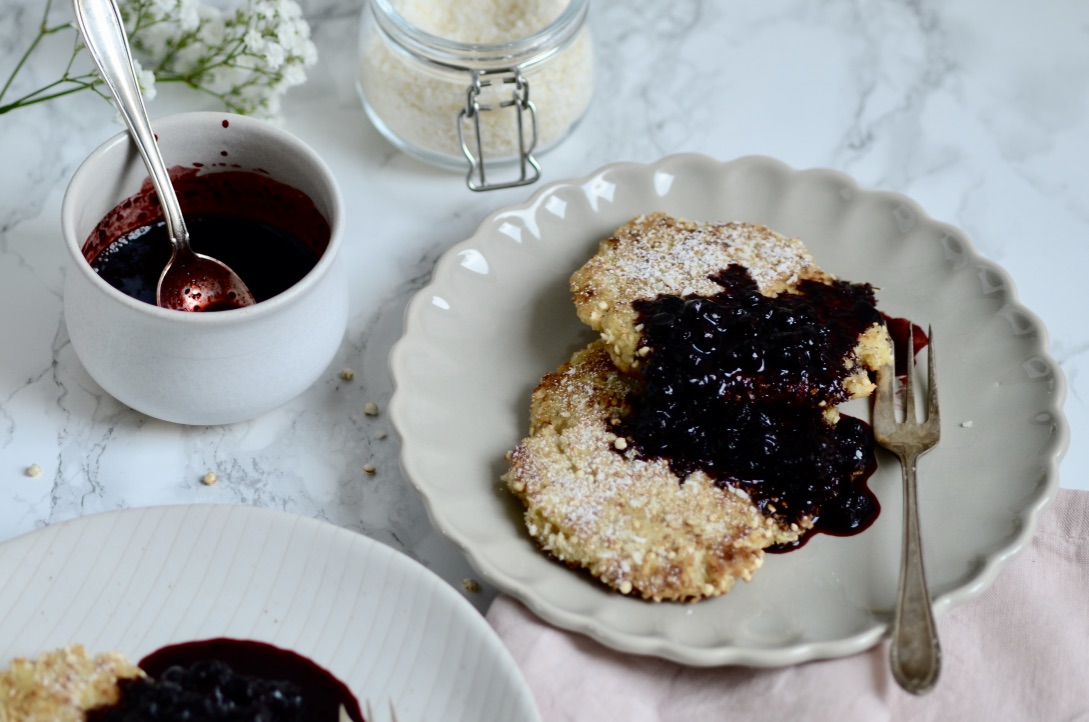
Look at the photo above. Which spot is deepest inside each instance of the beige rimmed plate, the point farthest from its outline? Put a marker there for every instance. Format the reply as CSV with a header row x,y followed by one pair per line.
x,y
138,579
497,315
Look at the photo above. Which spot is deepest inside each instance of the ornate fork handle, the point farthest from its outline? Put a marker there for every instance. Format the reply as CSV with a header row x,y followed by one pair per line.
x,y
915,654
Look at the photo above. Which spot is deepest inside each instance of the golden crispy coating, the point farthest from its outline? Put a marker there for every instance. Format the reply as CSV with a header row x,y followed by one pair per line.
x,y
658,254
60,685
630,522
590,502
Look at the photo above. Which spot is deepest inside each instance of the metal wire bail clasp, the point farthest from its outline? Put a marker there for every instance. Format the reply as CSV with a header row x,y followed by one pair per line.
x,y
530,170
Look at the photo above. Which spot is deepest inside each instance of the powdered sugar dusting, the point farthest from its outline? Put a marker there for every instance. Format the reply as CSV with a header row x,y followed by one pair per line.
x,y
658,254
631,522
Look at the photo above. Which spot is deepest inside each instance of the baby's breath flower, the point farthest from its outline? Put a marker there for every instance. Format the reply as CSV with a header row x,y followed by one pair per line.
x,y
163,8
247,57
294,74
255,43
145,79
188,17
275,55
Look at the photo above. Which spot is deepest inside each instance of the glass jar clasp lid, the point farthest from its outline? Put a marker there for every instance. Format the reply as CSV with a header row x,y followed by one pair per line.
x,y
529,168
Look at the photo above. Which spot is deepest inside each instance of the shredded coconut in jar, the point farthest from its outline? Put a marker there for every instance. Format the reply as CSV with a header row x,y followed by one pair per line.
x,y
480,21
419,103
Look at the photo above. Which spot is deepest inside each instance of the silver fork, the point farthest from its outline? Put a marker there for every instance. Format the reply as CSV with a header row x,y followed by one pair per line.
x,y
915,654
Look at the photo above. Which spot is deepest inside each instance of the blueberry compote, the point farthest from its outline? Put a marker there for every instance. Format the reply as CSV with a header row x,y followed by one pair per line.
x,y
269,233
734,386
228,680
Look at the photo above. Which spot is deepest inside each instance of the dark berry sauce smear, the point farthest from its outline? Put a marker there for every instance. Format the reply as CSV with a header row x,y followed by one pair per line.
x,y
269,233
742,345
732,388
902,332
231,681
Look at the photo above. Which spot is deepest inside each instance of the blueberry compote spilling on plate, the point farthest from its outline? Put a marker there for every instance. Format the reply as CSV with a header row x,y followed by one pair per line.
x,y
228,680
269,233
734,387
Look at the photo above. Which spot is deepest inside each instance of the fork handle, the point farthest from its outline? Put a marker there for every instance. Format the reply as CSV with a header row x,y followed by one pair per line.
x,y
915,654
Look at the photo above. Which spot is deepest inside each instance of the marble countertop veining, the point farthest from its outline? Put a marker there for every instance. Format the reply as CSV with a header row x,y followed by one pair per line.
x,y
977,110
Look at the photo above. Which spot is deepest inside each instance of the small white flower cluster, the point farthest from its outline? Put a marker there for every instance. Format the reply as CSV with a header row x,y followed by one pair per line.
x,y
247,57
145,78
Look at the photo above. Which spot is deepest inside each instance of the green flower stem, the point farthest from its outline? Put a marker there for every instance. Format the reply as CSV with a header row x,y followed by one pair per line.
x,y
36,97
43,30
227,69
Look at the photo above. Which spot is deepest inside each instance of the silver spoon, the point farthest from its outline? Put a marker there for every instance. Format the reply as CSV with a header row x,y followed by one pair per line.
x,y
191,281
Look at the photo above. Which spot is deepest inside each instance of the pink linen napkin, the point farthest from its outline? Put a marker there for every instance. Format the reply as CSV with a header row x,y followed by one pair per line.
x,y
1018,652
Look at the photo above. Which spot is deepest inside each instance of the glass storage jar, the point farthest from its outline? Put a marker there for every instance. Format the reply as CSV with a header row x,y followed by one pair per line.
x,y
476,83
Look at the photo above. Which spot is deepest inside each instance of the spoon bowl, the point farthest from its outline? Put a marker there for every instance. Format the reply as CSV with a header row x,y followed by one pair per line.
x,y
195,282
190,281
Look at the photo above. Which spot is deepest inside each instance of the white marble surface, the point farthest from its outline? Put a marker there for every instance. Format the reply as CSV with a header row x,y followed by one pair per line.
x,y
978,110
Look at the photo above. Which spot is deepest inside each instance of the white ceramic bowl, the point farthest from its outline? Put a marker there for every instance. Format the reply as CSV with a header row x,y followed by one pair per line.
x,y
196,368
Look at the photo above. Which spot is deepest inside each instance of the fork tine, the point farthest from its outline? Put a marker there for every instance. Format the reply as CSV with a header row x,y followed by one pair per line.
x,y
909,388
933,415
884,410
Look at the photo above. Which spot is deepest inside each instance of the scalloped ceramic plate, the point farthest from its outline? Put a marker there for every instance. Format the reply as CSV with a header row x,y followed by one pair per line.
x,y
497,315
138,579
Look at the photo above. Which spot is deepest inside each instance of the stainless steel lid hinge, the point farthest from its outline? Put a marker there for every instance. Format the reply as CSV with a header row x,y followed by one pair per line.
x,y
529,168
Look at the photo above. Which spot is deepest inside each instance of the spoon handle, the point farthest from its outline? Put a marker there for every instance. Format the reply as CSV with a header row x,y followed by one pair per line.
x,y
104,34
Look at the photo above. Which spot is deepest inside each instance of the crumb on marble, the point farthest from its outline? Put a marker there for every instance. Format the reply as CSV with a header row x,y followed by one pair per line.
x,y
966,424
381,434
209,479
347,374
34,470
369,469
370,408
471,585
